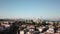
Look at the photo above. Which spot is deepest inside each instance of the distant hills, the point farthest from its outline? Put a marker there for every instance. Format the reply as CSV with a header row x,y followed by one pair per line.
x,y
28,19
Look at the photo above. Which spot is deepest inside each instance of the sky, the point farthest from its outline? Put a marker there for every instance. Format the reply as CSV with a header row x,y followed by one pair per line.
x,y
29,8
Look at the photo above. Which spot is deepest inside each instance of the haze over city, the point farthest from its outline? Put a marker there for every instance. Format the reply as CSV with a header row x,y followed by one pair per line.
x,y
30,8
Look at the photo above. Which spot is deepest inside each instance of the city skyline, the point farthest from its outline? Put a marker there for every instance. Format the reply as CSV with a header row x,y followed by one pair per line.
x,y
30,8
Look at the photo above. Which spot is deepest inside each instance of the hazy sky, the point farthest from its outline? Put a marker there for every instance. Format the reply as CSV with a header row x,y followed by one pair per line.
x,y
29,8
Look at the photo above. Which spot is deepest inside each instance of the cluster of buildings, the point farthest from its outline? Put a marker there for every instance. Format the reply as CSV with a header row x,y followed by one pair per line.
x,y
5,24
38,26
31,26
